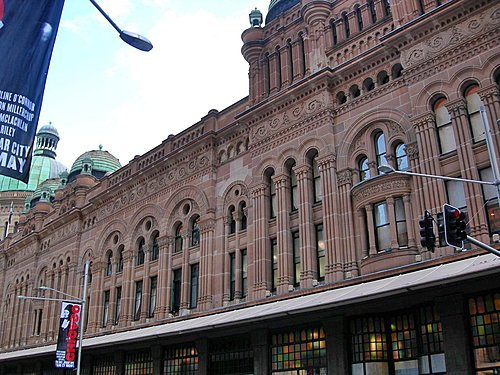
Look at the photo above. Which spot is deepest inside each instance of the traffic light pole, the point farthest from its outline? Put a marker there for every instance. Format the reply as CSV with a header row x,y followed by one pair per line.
x,y
483,246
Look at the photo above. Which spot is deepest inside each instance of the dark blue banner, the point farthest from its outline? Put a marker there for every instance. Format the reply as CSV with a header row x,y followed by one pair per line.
x,y
28,30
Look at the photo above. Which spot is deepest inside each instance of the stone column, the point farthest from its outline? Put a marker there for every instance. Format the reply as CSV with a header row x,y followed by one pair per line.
x,y
285,67
146,285
206,263
331,219
429,192
226,295
95,307
46,308
298,72
371,229
392,223
473,193
163,286
274,74
307,247
363,240
127,288
260,343
350,264
456,344
285,254
168,299
336,347
186,242
260,240
410,222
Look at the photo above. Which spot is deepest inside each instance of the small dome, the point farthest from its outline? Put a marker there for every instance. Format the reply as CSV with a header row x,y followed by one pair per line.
x,y
97,163
279,6
48,129
43,163
45,192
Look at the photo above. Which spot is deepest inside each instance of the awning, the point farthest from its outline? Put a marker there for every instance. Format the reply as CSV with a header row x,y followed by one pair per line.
x,y
395,285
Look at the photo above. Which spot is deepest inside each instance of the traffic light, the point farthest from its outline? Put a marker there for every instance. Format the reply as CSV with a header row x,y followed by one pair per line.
x,y
427,237
454,226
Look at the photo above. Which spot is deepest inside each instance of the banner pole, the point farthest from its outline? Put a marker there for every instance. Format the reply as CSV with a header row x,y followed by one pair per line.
x,y
84,308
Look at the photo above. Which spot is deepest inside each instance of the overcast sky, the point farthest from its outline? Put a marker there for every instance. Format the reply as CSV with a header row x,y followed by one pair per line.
x,y
102,91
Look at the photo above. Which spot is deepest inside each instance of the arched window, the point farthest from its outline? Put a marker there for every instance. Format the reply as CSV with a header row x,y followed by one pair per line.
x,y
302,53
359,17
243,215
109,264
334,32
345,21
341,98
473,105
373,13
178,238
387,7
195,231
294,191
380,150
368,85
364,169
401,157
382,78
318,193
155,248
396,71
445,132
119,267
289,53
272,193
140,251
231,220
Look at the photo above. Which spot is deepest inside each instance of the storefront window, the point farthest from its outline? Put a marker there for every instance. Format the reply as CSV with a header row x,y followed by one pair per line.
x,y
485,331
407,343
231,356
181,361
139,363
299,352
104,366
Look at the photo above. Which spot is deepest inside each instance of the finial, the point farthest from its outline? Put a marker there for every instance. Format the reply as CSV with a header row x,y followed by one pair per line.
x,y
100,147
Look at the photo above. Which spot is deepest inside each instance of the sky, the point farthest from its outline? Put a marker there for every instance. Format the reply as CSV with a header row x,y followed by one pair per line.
x,y
101,91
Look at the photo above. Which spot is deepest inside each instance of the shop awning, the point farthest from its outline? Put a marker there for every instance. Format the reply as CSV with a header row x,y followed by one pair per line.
x,y
395,285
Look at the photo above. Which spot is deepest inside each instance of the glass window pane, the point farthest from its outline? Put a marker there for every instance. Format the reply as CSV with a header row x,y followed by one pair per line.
x,y
456,195
447,139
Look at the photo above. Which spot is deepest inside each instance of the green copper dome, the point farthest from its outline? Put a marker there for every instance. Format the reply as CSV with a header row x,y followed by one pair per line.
x,y
43,164
98,163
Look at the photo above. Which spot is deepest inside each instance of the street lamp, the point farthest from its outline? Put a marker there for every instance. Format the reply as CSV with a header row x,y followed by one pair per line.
x,y
75,300
135,40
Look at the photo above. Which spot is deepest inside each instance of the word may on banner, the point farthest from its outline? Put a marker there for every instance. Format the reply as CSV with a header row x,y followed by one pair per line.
x,y
28,31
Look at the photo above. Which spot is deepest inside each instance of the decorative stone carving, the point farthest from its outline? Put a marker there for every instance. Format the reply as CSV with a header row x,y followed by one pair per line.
x,y
451,37
344,177
284,119
412,151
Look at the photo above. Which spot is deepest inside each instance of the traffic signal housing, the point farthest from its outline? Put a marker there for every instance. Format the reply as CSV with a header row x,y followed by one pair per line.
x,y
427,237
454,226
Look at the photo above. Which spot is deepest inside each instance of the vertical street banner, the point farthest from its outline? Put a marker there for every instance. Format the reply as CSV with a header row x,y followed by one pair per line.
x,y
69,329
28,30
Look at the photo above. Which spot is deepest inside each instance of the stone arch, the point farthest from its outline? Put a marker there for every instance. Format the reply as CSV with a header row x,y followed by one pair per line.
x,y
191,193
261,168
228,200
115,226
481,73
319,145
150,210
424,98
284,156
366,121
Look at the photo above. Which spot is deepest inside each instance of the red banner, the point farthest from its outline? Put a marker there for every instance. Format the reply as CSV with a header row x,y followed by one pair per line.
x,y
69,328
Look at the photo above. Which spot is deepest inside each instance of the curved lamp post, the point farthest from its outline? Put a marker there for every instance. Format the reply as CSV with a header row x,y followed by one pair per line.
x,y
135,40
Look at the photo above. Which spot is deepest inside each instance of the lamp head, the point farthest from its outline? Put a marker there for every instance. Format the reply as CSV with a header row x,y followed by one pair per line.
x,y
386,169
137,41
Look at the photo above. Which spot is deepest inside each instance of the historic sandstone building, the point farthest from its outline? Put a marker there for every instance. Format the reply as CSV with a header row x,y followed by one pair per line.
x,y
264,238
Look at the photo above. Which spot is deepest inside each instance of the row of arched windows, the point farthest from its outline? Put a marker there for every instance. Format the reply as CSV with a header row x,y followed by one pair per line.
x,y
380,157
293,185
444,127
